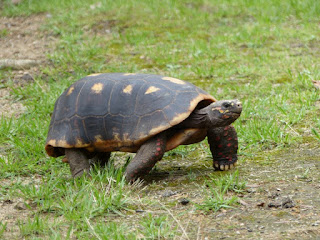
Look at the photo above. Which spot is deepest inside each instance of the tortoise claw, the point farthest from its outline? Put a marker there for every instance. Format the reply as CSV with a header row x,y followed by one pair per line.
x,y
216,166
224,167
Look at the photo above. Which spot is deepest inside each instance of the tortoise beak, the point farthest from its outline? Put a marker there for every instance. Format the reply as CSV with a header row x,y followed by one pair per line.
x,y
236,107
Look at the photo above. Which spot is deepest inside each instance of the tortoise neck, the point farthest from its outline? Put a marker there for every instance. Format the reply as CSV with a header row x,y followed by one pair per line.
x,y
198,119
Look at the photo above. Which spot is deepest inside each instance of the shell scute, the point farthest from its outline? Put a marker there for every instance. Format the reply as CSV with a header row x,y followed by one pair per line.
x,y
89,103
149,103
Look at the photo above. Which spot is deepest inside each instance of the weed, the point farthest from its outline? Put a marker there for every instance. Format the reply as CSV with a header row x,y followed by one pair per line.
x,y
231,182
316,134
3,227
216,200
111,230
218,190
35,225
3,33
156,227
305,175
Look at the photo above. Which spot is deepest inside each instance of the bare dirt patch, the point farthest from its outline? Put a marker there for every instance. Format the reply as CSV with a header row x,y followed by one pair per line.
x,y
21,39
10,212
14,211
7,105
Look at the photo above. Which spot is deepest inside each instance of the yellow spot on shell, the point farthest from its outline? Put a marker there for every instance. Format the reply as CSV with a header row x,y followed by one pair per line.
x,y
63,143
174,80
126,138
152,89
70,91
52,142
128,89
79,142
98,138
94,74
129,74
97,88
116,137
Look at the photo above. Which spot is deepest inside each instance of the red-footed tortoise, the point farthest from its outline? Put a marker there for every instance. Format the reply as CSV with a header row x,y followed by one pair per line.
x,y
142,113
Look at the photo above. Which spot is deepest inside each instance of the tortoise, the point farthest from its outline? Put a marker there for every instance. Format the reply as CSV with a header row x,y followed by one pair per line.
x,y
141,113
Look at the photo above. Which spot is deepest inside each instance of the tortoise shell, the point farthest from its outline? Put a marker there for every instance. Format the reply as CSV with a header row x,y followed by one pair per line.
x,y
119,112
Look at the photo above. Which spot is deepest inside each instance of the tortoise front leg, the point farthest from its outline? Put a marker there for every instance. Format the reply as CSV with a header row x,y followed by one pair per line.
x,y
147,156
223,143
78,161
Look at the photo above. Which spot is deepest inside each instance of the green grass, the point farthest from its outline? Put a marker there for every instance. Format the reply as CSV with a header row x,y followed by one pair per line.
x,y
155,227
217,189
264,53
3,227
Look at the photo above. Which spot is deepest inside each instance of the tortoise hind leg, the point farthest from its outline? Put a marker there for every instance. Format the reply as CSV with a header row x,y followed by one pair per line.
x,y
101,159
223,143
147,156
78,161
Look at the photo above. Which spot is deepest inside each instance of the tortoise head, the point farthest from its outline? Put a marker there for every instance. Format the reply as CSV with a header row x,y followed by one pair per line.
x,y
224,112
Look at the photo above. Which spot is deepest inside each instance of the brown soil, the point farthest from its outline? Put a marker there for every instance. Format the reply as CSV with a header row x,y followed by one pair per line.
x,y
22,39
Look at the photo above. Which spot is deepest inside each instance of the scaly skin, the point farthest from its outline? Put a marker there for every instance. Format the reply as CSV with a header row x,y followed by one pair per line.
x,y
147,156
78,161
223,143
100,158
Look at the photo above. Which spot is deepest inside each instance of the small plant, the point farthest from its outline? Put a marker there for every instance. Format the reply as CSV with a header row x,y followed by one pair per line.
x,y
231,182
218,189
3,227
156,227
305,175
36,226
316,134
216,200
110,230
3,33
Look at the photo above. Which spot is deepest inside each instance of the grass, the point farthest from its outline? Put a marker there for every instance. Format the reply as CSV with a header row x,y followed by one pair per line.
x,y
3,227
264,53
217,192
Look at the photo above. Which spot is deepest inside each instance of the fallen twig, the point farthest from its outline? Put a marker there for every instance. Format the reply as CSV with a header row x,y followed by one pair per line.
x,y
18,64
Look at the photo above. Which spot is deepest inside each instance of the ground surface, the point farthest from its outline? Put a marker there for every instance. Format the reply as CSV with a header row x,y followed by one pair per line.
x,y
23,42
281,200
